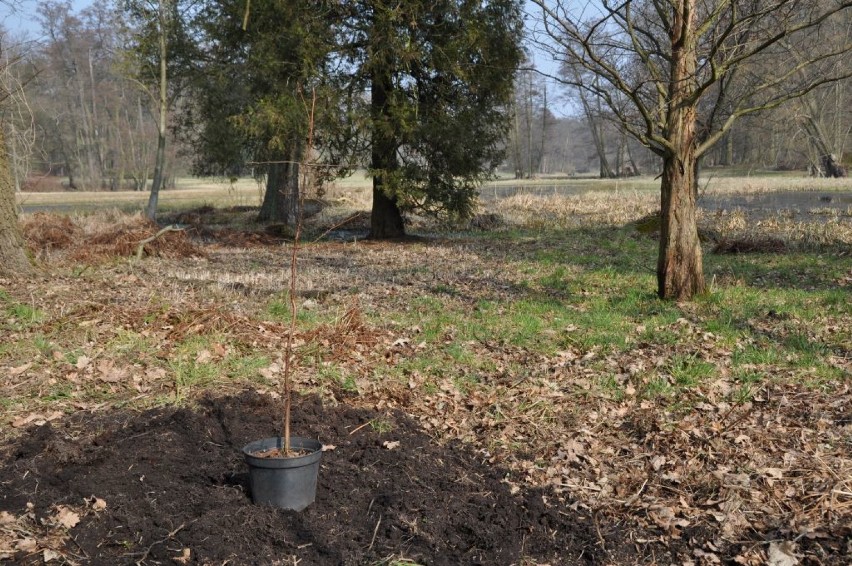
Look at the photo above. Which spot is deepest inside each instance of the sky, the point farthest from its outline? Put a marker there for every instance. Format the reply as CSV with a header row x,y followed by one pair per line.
x,y
20,18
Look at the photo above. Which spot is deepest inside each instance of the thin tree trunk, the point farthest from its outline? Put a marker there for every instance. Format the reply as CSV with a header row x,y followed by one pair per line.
x,y
519,168
680,272
96,133
13,259
542,166
605,172
634,165
729,148
160,162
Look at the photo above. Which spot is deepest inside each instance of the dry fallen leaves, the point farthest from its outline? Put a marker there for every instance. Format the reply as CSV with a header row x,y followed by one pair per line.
x,y
37,419
20,369
66,517
782,554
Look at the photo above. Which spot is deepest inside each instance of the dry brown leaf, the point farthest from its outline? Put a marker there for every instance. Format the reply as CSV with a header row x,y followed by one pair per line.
x,y
391,444
99,504
155,374
82,362
111,374
203,357
184,556
20,369
66,517
49,555
26,545
36,418
7,518
271,371
782,554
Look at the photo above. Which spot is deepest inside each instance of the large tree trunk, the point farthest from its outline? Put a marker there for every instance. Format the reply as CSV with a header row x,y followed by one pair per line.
x,y
680,273
385,217
13,259
385,220
282,193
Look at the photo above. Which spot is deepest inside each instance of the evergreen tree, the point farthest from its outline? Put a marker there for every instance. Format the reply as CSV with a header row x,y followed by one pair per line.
x,y
258,64
439,78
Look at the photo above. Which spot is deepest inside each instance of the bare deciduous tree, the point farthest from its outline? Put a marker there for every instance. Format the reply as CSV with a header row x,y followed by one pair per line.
x,y
690,69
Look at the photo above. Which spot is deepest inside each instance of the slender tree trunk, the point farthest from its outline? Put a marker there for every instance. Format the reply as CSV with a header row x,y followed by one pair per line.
x,y
728,153
680,272
634,165
385,217
162,123
96,125
542,165
13,259
596,129
519,168
529,118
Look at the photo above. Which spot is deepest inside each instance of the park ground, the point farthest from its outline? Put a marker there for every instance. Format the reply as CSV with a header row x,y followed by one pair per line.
x,y
505,391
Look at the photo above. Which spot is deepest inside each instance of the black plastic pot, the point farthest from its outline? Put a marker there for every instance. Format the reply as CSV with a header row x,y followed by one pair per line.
x,y
288,483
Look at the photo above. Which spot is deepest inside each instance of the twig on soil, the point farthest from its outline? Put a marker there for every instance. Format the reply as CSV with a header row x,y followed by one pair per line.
x,y
375,532
153,544
601,540
141,247
356,429
83,550
632,499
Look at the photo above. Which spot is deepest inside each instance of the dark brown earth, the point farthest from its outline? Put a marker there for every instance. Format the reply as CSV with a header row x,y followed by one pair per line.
x,y
174,479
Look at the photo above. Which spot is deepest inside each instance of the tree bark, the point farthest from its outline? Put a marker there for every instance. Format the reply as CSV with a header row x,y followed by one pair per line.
x,y
13,258
162,123
280,202
680,272
385,217
386,220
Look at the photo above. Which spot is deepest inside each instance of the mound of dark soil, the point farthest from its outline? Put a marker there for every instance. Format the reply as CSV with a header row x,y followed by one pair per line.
x,y
174,479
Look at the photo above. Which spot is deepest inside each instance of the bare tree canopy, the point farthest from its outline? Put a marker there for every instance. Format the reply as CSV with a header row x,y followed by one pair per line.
x,y
677,74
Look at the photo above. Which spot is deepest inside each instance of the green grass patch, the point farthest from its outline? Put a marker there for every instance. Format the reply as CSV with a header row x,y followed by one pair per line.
x,y
18,315
688,371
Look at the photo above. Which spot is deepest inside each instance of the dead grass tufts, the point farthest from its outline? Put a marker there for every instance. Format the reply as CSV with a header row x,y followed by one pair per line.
x,y
45,231
111,233
348,334
486,222
589,209
123,242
